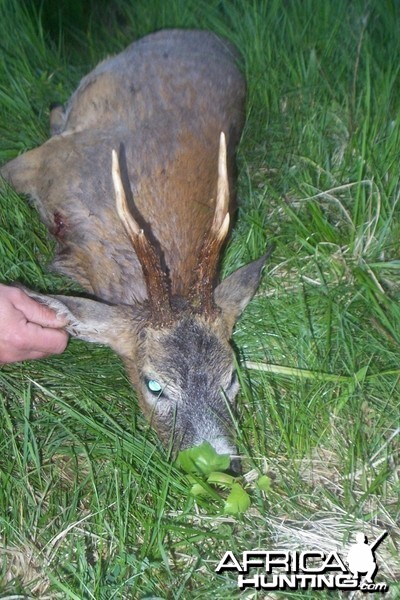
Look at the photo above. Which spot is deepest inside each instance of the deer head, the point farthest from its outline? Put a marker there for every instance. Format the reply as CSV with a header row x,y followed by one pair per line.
x,y
176,350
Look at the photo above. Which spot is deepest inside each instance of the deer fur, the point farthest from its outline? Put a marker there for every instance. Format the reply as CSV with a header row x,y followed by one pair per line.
x,y
136,186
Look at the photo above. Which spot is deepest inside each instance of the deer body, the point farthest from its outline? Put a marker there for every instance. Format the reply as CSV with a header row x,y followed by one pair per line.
x,y
142,231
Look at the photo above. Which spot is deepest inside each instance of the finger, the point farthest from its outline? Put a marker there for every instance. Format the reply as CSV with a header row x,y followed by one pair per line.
x,y
45,340
19,355
38,313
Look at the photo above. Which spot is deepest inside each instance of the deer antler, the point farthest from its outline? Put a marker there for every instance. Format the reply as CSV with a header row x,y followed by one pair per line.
x,y
154,275
203,293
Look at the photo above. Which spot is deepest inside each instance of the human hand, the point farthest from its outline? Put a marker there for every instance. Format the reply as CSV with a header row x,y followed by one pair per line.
x,y
28,329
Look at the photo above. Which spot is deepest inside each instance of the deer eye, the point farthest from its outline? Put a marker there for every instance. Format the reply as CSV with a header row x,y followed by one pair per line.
x,y
234,380
154,387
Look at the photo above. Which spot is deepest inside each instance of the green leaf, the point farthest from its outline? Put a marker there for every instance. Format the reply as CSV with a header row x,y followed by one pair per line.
x,y
198,490
238,501
203,460
221,479
264,483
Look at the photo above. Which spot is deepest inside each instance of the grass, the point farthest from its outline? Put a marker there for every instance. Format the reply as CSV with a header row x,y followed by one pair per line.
x,y
90,507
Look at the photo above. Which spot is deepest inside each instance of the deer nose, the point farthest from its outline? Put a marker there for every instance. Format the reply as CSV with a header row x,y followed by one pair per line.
x,y
224,447
235,468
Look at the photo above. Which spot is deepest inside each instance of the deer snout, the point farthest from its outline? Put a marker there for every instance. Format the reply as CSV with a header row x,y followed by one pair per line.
x,y
223,447
235,468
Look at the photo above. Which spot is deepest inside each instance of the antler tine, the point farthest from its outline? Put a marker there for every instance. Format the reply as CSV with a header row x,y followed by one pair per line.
x,y
203,292
149,259
220,223
131,227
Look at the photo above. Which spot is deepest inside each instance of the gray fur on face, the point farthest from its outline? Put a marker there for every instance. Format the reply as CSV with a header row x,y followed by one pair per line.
x,y
193,365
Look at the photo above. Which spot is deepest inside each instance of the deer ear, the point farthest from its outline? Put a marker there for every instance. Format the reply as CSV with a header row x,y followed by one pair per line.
x,y
22,172
234,293
94,321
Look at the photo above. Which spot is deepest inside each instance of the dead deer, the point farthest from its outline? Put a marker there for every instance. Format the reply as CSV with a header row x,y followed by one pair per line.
x,y
134,186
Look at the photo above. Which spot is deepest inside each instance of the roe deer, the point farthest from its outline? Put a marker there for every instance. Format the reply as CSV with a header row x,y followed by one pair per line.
x,y
134,186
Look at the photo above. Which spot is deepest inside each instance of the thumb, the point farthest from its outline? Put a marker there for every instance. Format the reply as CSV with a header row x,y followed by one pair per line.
x,y
38,313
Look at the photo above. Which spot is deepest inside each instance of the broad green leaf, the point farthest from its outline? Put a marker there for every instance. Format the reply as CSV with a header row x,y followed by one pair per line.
x,y
221,479
202,459
264,483
198,490
238,501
